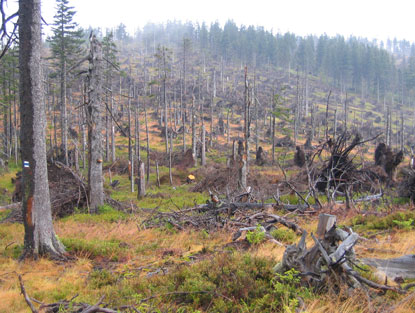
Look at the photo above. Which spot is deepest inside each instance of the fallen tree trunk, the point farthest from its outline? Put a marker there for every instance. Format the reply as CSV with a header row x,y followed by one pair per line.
x,y
11,206
403,266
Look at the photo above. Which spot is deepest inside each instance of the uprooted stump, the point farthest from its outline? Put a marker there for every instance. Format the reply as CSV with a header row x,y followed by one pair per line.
x,y
387,159
68,191
340,167
329,263
341,173
406,188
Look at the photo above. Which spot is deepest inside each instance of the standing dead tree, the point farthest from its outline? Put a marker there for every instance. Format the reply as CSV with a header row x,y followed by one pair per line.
x,y
93,112
40,238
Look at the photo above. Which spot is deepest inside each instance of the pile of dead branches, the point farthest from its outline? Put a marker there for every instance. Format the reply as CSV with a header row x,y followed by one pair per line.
x,y
216,214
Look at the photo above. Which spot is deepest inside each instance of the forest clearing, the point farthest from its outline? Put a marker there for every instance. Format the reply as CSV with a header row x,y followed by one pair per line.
x,y
194,168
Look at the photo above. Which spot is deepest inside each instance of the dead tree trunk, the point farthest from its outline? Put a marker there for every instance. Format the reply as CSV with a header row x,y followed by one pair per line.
x,y
247,117
147,144
203,153
345,114
64,114
194,142
335,125
273,139
137,130
112,131
211,122
170,164
141,185
327,116
228,130
242,174
40,238
157,174
95,181
234,151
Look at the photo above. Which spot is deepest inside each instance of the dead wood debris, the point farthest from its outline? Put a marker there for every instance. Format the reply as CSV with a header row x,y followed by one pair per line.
x,y
407,186
341,172
68,190
214,215
331,262
221,178
70,306
387,159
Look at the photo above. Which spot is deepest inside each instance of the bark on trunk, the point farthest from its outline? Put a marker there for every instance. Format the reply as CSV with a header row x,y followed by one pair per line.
x,y
64,115
40,238
96,186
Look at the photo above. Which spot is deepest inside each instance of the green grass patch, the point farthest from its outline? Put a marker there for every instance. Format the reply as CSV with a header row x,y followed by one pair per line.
x,y
4,214
105,213
14,251
284,235
168,197
92,248
371,222
229,283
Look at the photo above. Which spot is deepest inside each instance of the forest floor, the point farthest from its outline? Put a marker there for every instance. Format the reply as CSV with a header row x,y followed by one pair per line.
x,y
165,269
193,270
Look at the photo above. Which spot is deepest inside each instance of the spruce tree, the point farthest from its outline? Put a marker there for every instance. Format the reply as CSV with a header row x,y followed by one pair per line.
x,y
66,43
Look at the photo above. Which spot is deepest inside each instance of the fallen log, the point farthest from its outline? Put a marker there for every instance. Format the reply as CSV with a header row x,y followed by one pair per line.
x,y
403,266
11,206
368,198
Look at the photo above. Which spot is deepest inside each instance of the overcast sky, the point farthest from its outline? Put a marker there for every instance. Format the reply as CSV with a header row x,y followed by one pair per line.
x,y
379,19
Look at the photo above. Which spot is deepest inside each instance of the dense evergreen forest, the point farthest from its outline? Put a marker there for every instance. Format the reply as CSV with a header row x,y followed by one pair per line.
x,y
352,64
